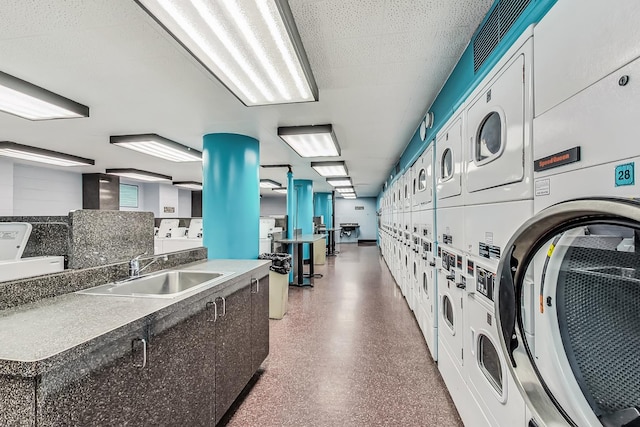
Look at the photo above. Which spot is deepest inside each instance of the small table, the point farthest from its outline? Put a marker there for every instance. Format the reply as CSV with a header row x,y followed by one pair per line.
x,y
332,240
303,279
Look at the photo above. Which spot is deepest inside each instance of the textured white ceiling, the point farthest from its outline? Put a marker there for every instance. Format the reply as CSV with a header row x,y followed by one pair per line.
x,y
378,65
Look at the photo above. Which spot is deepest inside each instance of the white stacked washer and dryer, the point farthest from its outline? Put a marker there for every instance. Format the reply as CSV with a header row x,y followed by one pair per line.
x,y
427,298
450,252
569,288
498,195
537,227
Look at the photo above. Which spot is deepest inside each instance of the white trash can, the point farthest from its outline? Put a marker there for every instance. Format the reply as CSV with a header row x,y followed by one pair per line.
x,y
278,294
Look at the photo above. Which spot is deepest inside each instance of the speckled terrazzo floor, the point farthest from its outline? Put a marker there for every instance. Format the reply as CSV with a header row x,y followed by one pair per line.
x,y
348,353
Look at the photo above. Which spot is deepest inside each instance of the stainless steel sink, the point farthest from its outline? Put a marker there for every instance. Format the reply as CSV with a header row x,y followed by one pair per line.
x,y
167,284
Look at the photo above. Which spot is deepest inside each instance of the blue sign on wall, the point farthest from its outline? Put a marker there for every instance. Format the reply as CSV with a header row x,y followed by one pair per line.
x,y
625,174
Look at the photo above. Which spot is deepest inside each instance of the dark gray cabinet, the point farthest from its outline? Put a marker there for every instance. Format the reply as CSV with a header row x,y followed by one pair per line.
x,y
103,387
259,322
184,368
233,344
159,372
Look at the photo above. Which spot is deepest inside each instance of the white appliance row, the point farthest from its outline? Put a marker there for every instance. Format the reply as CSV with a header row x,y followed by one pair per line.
x,y
528,299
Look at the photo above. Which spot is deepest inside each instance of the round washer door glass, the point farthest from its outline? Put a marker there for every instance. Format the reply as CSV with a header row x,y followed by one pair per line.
x,y
422,180
578,330
489,138
446,165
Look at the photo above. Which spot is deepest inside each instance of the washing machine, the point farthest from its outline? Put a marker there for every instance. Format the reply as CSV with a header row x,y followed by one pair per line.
x,y
498,194
413,293
450,240
568,287
426,301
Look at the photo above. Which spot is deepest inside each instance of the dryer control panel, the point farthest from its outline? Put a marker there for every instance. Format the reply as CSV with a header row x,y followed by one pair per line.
x,y
450,261
484,282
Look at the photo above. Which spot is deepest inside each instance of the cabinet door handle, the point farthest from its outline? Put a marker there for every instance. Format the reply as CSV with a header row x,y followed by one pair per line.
x,y
224,306
257,286
144,352
451,277
215,311
432,264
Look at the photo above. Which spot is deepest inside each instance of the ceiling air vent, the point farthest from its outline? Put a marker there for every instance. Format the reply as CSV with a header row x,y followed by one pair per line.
x,y
494,29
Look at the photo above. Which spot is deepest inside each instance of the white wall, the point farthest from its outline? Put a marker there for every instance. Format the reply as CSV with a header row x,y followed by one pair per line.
x,y
168,198
367,219
6,187
154,197
273,205
151,199
184,203
42,191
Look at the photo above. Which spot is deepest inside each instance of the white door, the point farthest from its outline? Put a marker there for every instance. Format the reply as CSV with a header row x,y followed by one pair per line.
x,y
449,160
578,365
496,127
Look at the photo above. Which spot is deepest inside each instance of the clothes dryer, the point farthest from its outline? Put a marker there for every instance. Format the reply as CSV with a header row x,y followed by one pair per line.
x,y
569,290
450,250
428,300
498,194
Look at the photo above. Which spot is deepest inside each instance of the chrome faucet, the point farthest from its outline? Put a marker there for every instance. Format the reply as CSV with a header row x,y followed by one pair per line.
x,y
134,264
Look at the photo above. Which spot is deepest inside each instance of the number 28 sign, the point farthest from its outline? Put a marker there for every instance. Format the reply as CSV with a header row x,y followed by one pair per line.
x,y
625,174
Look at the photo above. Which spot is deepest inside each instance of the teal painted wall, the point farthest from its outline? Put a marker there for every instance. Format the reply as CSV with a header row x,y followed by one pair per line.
x,y
463,80
322,206
230,196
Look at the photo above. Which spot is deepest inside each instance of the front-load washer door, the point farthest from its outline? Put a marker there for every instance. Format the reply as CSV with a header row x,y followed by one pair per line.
x,y
575,348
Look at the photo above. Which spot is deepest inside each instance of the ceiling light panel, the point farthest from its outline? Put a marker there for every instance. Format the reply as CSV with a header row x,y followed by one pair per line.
x,y
139,175
158,146
188,185
344,189
330,168
34,154
26,100
268,183
349,196
251,46
281,190
340,182
311,141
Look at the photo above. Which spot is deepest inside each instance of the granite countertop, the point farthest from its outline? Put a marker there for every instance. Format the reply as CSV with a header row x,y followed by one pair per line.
x,y
37,336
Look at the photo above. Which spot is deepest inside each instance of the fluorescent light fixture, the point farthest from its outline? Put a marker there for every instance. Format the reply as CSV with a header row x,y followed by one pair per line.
x,y
340,182
26,100
139,175
330,168
251,46
344,189
268,183
34,154
158,146
281,190
349,196
311,141
188,185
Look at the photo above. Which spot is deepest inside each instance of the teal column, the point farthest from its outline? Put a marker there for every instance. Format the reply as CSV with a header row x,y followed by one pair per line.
x,y
291,205
322,206
291,213
304,208
230,196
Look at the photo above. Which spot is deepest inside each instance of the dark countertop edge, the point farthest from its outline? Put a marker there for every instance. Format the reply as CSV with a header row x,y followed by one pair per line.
x,y
30,369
